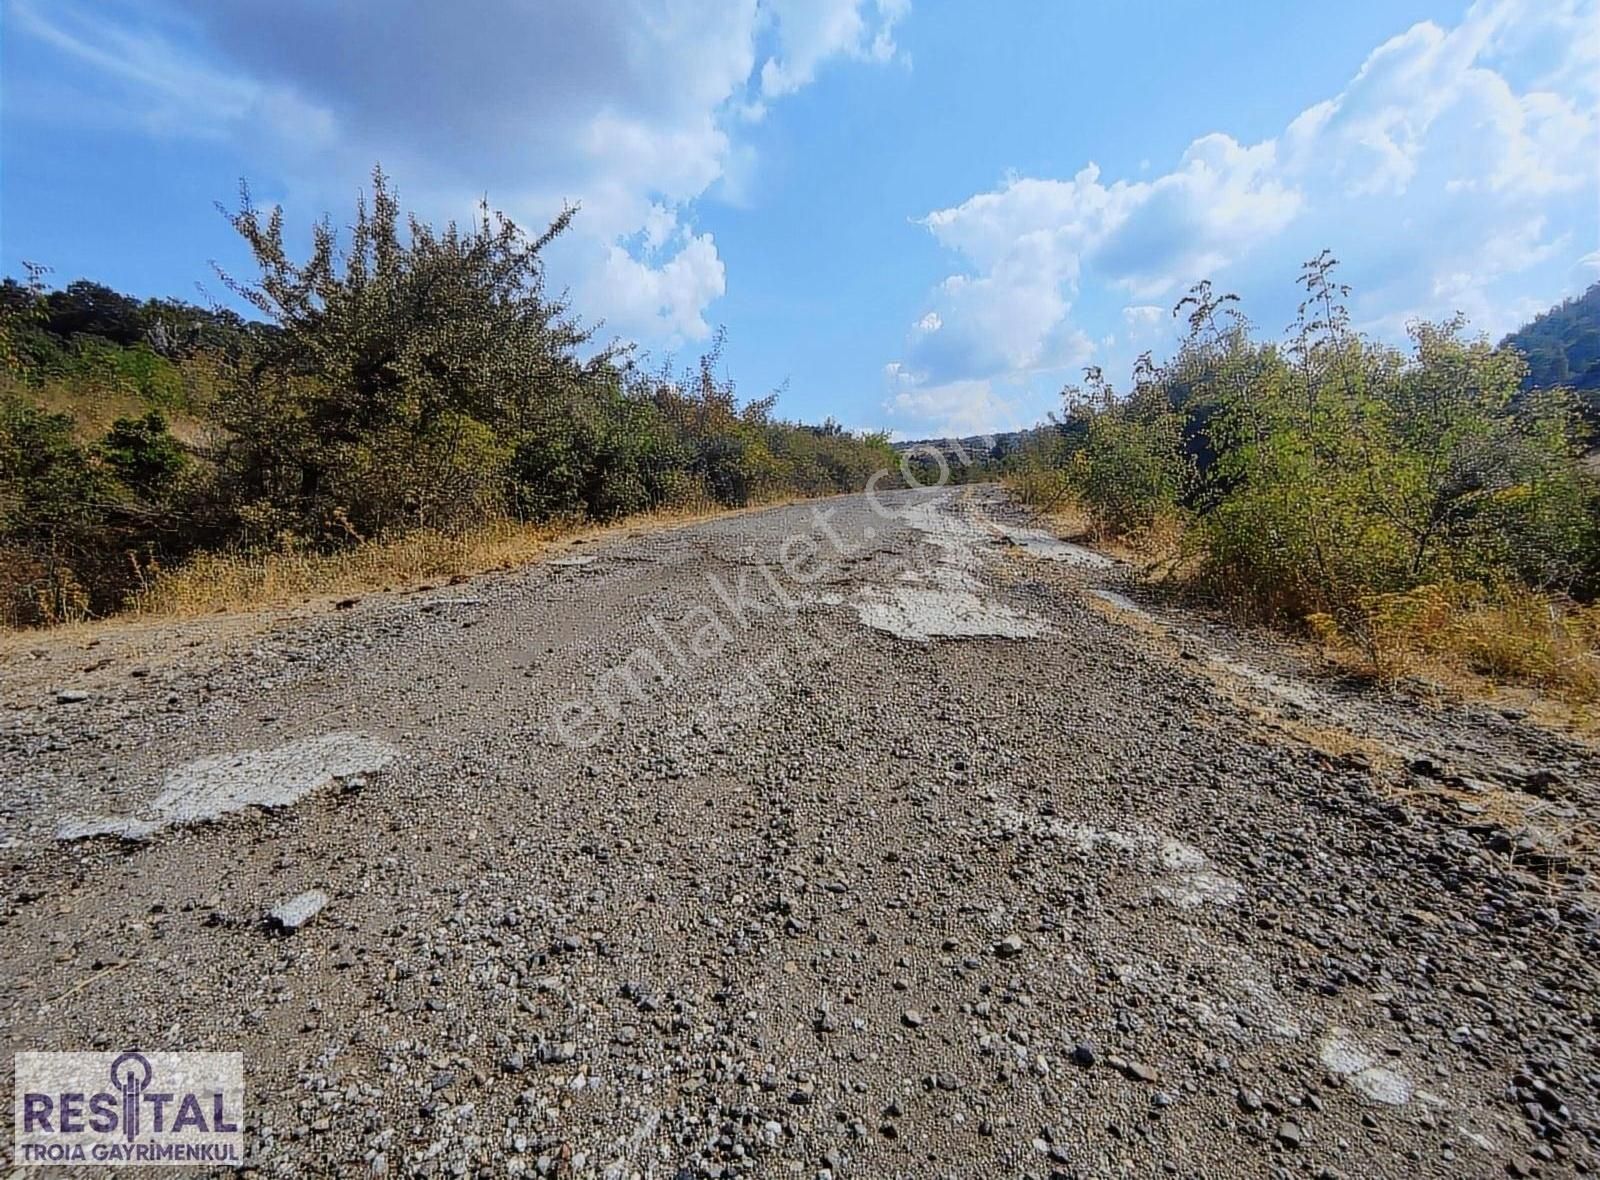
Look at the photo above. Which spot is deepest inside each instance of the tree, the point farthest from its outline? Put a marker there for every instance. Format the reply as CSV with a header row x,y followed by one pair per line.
x,y
143,454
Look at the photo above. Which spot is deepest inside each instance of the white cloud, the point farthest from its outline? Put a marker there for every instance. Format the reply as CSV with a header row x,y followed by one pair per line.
x,y
812,31
952,409
1432,89
1030,242
1145,327
1201,216
659,225
178,94
1448,164
673,294
630,108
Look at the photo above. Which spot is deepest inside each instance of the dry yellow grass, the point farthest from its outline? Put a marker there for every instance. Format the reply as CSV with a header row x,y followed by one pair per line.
x,y
1158,550
1477,642
234,582
1465,633
230,583
94,410
214,583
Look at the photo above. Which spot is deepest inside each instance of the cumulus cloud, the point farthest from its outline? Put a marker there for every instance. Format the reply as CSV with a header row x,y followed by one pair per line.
x,y
671,294
630,108
1430,88
812,31
1453,159
950,409
1031,241
1220,199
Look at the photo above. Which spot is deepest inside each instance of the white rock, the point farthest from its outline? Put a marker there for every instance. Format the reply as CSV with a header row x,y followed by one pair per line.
x,y
298,910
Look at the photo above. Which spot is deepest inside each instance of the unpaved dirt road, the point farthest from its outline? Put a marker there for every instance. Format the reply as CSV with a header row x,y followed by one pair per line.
x,y
860,844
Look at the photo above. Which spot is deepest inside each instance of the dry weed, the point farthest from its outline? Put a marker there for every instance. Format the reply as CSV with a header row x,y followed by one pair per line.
x,y
216,582
1505,635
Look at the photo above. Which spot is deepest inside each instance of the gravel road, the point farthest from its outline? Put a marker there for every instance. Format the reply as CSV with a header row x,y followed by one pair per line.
x,y
834,840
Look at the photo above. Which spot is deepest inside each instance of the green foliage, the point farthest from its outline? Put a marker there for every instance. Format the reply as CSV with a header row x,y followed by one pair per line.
x,y
52,502
169,326
93,364
143,455
89,344
1360,470
604,455
414,380
398,373
1326,472
47,481
1129,468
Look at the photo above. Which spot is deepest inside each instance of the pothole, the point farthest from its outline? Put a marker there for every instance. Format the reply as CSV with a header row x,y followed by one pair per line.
x,y
214,786
944,600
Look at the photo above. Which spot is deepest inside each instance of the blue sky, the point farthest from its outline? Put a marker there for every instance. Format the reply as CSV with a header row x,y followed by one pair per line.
x,y
920,215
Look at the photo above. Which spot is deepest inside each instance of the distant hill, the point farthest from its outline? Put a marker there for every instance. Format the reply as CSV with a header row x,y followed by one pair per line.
x,y
1563,348
978,447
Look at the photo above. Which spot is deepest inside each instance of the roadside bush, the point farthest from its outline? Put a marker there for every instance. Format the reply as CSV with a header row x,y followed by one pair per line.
x,y
1396,500
143,455
398,373
53,500
414,400
1130,468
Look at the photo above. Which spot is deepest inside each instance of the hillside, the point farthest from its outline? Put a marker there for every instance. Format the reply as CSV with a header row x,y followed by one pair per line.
x,y
1563,348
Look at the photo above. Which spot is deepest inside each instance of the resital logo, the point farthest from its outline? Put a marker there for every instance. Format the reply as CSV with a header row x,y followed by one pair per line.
x,y
178,1109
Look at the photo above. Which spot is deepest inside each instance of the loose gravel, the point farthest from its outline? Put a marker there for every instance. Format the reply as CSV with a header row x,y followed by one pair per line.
x,y
673,863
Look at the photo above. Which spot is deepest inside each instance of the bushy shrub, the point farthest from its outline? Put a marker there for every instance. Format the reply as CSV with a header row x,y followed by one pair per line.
x,y
143,455
417,383
53,503
1330,477
399,372
1128,467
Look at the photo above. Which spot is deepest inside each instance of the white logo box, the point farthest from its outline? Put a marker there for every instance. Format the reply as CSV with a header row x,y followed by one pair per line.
x,y
129,1108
